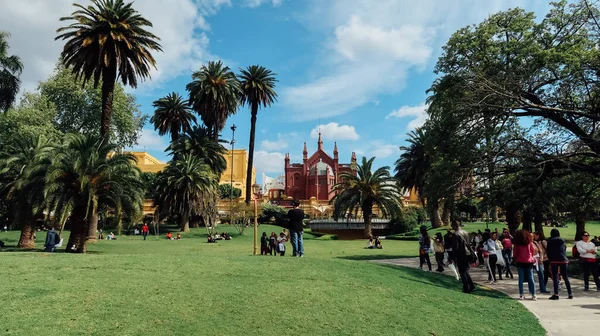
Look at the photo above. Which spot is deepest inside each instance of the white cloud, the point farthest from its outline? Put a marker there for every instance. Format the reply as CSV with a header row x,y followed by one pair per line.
x,y
335,131
372,45
151,141
418,113
377,148
282,142
268,162
180,24
256,3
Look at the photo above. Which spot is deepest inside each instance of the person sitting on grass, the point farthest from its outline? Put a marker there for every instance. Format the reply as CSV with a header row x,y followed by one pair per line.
x,y
169,236
371,244
281,244
226,236
211,239
178,236
111,236
378,243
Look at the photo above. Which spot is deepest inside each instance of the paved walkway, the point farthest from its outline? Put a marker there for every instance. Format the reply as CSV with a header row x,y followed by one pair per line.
x,y
579,316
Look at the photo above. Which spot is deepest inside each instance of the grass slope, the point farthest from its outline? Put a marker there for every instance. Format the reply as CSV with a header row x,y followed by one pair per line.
x,y
189,287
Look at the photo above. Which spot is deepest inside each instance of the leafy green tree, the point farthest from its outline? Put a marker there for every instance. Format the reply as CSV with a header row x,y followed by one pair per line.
x,y
23,172
258,89
77,108
227,192
186,183
366,190
214,95
172,115
10,70
108,41
88,174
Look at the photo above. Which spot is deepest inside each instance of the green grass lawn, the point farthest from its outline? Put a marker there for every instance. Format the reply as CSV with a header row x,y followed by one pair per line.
x,y
189,287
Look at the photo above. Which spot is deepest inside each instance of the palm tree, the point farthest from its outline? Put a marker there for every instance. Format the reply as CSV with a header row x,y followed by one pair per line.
x,y
186,184
24,171
366,190
214,95
172,115
86,175
10,70
107,42
258,88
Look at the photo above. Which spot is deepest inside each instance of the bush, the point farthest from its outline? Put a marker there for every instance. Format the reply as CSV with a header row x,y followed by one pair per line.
x,y
270,213
411,217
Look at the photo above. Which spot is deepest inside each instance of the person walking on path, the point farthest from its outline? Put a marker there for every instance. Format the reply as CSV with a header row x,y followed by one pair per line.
x,y
524,252
448,238
587,257
507,251
557,254
464,254
296,216
489,248
424,248
539,244
438,248
145,230
52,239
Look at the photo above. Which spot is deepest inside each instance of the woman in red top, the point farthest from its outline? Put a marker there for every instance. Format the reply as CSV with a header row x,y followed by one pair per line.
x,y
507,251
523,252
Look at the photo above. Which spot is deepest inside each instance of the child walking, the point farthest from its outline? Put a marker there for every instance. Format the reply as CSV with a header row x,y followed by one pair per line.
x,y
281,244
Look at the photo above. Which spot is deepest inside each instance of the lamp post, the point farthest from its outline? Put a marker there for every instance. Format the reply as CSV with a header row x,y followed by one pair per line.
x,y
231,189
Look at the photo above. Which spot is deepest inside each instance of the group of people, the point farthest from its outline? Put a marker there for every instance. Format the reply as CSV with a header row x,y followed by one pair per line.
x,y
212,238
273,244
169,236
374,243
531,253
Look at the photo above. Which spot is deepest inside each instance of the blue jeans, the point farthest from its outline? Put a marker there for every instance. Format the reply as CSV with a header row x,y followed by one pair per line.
x,y
526,271
297,242
540,273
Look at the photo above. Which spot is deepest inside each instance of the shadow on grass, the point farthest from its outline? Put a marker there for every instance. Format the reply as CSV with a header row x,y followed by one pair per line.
x,y
440,280
367,257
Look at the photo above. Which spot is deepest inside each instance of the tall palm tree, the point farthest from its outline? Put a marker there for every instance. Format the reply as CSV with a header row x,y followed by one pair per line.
x,y
258,89
10,70
366,190
414,162
186,183
86,174
172,115
199,141
24,171
214,95
107,42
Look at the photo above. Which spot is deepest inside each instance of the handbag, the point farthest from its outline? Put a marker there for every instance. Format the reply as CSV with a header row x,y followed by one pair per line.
x,y
500,258
281,247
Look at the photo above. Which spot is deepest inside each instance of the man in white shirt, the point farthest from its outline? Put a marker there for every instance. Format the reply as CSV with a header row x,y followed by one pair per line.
x,y
587,256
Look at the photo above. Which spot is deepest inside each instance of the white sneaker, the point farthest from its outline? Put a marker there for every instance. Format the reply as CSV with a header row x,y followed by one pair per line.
x,y
534,298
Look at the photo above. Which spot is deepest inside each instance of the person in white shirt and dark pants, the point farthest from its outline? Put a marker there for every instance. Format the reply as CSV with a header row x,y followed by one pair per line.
x,y
587,256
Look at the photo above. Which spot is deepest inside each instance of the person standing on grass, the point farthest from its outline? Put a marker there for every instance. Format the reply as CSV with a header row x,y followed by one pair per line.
x,y
464,256
557,254
438,248
587,256
145,230
295,217
264,244
52,239
539,243
524,253
281,244
424,248
273,244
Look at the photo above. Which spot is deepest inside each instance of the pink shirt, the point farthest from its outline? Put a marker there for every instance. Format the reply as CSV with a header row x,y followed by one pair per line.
x,y
523,254
507,243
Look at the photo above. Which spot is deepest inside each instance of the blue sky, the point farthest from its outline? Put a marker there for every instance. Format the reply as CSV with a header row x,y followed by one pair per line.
x,y
355,69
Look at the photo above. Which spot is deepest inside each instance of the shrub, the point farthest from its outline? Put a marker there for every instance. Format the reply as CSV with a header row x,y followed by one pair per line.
x,y
270,213
410,218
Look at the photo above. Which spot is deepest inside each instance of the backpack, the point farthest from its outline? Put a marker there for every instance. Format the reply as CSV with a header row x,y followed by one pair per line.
x,y
575,251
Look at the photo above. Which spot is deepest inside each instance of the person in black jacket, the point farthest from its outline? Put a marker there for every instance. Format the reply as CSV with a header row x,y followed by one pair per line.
x,y
557,254
295,217
464,256
52,239
264,244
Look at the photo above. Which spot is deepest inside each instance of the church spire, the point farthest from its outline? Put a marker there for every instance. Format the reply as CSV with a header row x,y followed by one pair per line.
x,y
305,152
320,143
335,151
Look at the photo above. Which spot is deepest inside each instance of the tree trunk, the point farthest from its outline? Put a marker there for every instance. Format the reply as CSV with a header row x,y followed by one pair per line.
x,y
92,226
79,231
446,212
251,153
109,76
184,223
527,220
494,213
580,227
513,217
434,216
27,232
367,214
538,220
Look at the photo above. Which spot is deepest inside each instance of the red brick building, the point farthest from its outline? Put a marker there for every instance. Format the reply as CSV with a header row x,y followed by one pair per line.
x,y
316,175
